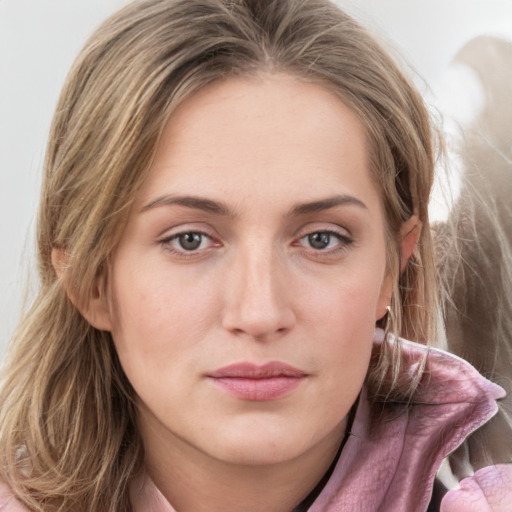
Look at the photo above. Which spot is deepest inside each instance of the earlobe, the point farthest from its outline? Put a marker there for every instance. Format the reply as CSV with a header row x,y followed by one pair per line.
x,y
410,233
95,309
385,296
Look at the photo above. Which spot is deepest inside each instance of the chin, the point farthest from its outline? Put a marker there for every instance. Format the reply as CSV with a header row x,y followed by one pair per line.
x,y
262,444
260,453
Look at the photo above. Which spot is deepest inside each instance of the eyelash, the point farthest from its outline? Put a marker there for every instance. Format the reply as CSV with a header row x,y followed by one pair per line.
x,y
168,243
343,243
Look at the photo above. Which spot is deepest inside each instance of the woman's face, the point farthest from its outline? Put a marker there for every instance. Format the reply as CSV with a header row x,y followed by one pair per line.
x,y
245,289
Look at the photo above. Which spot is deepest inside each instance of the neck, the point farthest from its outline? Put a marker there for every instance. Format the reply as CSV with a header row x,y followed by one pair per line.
x,y
194,482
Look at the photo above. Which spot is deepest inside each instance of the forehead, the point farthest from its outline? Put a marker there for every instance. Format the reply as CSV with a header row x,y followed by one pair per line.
x,y
246,136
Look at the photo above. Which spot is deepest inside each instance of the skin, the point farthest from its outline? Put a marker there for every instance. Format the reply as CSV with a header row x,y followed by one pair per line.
x,y
277,160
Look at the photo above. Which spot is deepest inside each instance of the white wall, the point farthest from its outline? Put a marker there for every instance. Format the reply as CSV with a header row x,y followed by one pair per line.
x,y
39,38
38,42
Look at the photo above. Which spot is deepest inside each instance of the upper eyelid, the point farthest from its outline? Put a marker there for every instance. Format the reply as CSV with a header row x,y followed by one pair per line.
x,y
340,236
324,227
169,239
170,236
188,227
212,241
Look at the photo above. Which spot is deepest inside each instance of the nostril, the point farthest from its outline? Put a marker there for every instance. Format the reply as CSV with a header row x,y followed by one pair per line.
x,y
259,332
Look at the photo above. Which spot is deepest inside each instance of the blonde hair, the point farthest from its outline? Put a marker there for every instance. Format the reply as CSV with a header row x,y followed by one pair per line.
x,y
68,436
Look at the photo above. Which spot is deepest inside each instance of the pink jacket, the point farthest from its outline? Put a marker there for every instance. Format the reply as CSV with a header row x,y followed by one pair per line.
x,y
389,465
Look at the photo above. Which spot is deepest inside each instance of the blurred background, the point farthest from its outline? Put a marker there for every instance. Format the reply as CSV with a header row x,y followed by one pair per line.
x,y
454,48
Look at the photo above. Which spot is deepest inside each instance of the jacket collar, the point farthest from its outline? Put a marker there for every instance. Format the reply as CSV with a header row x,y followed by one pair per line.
x,y
390,464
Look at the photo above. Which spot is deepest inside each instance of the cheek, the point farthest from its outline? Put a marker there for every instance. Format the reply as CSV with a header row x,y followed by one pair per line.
x,y
341,332
343,315
347,298
158,335
156,315
340,316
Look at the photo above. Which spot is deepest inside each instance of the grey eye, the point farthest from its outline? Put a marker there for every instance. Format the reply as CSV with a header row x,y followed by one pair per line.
x,y
319,240
190,241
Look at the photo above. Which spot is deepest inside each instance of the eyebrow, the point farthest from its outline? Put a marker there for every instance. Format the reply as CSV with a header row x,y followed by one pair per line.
x,y
218,208
196,203
326,204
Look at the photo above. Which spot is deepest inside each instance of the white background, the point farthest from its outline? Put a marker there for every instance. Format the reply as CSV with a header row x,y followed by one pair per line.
x,y
39,39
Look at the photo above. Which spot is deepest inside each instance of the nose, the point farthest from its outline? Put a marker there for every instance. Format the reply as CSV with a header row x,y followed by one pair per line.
x,y
257,295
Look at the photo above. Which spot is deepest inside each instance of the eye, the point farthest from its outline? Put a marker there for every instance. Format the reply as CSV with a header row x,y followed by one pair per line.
x,y
320,240
325,240
188,242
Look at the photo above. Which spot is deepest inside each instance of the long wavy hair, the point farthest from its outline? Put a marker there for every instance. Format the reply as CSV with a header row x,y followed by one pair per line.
x,y
68,436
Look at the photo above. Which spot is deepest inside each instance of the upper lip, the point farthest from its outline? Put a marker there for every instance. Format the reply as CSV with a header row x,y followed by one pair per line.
x,y
248,370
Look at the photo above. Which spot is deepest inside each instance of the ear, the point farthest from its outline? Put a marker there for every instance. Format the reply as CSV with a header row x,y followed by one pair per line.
x,y
410,234
95,309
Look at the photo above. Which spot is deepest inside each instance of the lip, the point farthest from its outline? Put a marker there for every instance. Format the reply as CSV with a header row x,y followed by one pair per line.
x,y
249,381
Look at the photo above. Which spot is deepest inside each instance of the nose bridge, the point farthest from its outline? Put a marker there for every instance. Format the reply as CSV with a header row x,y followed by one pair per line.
x,y
258,302
260,272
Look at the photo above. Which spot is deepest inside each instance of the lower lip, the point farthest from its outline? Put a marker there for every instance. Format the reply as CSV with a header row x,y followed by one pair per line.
x,y
260,390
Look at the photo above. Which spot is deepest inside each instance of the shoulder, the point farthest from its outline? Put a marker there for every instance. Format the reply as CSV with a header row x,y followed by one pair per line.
x,y
488,490
8,501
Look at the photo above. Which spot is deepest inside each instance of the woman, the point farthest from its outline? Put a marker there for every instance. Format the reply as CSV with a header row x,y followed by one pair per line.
x,y
235,197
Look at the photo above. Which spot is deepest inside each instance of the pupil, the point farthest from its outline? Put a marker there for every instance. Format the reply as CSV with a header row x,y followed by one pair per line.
x,y
190,241
319,240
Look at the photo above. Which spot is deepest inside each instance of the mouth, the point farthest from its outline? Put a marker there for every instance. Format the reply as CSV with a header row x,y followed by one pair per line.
x,y
248,381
